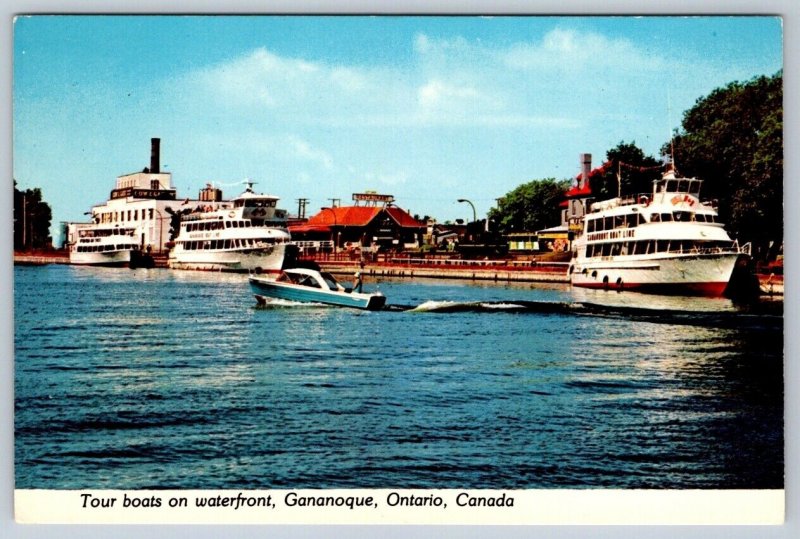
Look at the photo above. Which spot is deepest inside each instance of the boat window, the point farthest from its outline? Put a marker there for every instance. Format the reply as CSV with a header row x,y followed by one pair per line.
x,y
683,216
655,218
608,223
666,217
330,281
308,281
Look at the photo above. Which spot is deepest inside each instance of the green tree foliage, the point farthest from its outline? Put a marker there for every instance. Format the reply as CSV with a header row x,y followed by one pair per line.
x,y
733,139
530,207
31,220
636,172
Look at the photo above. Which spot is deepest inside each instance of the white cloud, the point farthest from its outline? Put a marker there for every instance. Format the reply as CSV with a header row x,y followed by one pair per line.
x,y
302,149
265,79
386,179
449,82
567,50
436,93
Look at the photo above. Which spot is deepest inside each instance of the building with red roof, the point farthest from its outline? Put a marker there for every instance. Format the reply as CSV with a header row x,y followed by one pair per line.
x,y
373,221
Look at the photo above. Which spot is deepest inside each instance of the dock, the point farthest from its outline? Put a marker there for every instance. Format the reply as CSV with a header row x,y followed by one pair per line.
x,y
40,259
475,270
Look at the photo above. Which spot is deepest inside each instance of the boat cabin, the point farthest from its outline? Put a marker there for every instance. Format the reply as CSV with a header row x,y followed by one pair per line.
x,y
313,279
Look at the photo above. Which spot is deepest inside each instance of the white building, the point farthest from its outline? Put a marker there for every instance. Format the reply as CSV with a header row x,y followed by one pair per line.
x,y
144,201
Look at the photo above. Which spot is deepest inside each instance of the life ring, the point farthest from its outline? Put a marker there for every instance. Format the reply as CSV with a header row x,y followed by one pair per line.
x,y
644,200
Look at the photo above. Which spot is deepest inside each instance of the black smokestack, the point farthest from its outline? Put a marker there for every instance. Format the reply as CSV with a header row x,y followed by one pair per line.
x,y
155,155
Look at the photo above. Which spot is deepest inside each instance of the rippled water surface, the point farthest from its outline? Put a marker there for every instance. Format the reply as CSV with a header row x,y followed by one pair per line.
x,y
158,379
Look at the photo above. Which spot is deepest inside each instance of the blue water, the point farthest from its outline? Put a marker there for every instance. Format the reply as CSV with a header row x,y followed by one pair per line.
x,y
157,379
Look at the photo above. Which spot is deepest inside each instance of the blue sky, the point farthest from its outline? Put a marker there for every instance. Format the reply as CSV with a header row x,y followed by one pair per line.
x,y
429,109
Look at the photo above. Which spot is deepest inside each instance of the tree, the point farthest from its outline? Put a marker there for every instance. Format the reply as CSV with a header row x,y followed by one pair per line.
x,y
733,139
32,218
530,207
636,171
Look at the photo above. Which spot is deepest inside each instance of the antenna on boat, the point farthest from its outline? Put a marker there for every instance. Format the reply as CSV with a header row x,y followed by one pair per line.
x,y
671,133
619,179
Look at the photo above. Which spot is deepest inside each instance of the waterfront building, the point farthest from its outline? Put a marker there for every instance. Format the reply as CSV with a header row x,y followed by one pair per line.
x,y
373,222
144,203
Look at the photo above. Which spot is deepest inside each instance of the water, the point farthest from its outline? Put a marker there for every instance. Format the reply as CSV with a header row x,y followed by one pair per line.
x,y
156,379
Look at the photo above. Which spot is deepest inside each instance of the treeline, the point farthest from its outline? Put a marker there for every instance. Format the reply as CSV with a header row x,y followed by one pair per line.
x,y
732,139
32,217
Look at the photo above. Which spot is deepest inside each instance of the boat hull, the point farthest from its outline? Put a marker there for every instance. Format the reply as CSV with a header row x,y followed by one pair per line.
x,y
106,259
265,288
263,260
704,275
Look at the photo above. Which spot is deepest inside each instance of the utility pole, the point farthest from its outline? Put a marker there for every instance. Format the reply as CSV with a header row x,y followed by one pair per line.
x,y
301,207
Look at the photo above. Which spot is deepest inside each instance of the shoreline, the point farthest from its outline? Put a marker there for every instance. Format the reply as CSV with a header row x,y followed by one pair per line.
x,y
475,270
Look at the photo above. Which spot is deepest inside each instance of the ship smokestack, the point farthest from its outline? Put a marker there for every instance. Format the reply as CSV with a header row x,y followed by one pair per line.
x,y
586,168
155,155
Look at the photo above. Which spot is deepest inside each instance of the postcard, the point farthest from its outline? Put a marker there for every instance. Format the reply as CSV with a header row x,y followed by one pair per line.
x,y
398,269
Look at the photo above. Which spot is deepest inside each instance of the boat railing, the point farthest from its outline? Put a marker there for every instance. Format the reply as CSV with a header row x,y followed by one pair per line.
x,y
744,249
314,246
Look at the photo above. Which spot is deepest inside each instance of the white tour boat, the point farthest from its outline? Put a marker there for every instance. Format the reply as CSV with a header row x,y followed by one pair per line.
x,y
104,246
666,242
248,234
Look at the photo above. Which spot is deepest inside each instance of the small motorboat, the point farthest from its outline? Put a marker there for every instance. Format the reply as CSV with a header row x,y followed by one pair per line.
x,y
312,286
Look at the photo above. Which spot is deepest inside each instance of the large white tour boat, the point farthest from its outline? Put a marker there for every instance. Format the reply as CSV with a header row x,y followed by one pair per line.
x,y
104,246
666,242
247,234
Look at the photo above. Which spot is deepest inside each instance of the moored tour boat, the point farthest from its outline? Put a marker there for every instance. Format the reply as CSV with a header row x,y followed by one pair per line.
x,y
312,286
666,242
248,235
104,246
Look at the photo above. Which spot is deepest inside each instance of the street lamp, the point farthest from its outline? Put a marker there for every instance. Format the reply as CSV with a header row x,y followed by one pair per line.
x,y
474,214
